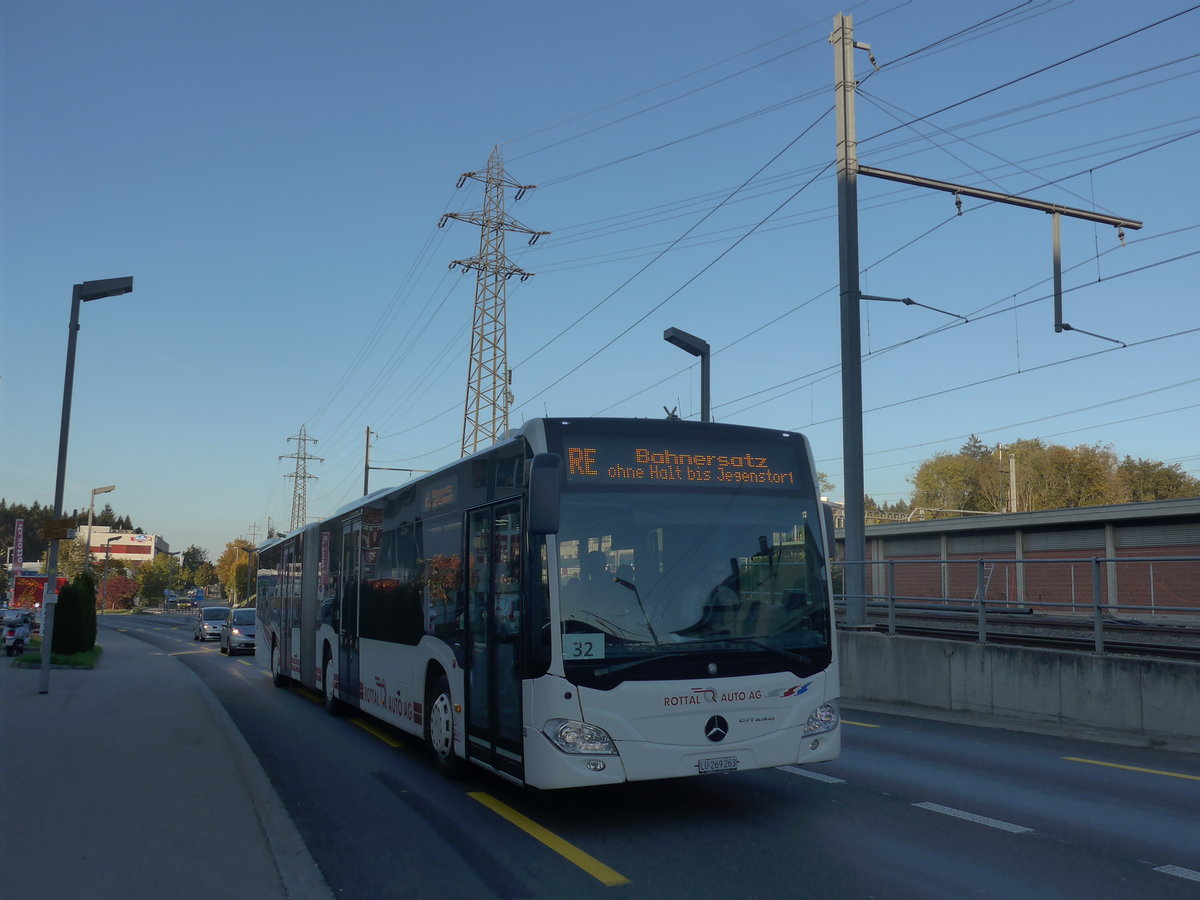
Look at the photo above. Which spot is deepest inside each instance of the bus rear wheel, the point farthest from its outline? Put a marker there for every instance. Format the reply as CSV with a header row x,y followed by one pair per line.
x,y
439,727
277,676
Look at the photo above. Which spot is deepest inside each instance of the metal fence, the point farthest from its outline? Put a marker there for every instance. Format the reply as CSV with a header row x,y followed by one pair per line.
x,y
1141,588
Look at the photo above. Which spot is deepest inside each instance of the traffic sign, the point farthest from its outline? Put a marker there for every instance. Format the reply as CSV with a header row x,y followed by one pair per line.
x,y
58,529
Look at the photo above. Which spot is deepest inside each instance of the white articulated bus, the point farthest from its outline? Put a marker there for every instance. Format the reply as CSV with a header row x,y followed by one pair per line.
x,y
588,601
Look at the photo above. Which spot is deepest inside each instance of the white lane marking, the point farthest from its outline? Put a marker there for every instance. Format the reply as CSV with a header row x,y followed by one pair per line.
x,y
1179,872
815,776
971,817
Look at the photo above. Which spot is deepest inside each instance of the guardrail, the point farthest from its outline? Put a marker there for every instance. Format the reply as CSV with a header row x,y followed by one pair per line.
x,y
1096,586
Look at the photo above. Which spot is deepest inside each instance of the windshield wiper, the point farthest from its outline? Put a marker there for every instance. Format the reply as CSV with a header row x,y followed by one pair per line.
x,y
633,587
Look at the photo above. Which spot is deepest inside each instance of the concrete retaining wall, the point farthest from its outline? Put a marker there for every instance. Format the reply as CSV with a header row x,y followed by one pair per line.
x,y
1152,701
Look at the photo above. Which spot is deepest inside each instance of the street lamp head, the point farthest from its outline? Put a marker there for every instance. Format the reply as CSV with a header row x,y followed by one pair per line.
x,y
697,347
103,490
687,342
104,287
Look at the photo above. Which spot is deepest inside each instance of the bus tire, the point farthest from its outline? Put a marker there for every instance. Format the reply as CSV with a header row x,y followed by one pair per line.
x,y
279,678
333,705
439,727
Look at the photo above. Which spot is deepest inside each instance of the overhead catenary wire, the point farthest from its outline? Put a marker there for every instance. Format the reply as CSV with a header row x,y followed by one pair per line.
x,y
567,375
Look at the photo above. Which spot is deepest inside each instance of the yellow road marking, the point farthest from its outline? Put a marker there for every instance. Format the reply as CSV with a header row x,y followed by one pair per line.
x,y
307,694
1096,762
563,848
377,732
245,662
859,724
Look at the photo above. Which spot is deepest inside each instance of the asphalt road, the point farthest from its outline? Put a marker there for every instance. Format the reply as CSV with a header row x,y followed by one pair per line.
x,y
912,809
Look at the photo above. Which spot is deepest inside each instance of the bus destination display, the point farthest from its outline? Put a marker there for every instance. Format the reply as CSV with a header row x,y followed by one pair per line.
x,y
658,465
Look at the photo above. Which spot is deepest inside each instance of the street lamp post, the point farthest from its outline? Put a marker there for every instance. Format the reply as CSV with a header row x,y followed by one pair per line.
x,y
80,293
696,347
249,550
87,558
104,582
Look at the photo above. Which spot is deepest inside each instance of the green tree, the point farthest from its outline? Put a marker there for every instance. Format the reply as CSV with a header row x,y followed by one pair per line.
x,y
193,556
974,448
946,482
1066,477
75,616
204,575
1139,480
158,575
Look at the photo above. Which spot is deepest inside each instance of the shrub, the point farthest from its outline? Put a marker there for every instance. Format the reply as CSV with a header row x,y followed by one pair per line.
x,y
75,616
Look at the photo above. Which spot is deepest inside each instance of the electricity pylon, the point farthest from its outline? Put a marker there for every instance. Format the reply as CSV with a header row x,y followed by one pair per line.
x,y
299,488
485,415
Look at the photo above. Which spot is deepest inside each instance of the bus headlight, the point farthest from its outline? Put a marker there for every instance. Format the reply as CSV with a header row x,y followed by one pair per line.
x,y
571,736
824,718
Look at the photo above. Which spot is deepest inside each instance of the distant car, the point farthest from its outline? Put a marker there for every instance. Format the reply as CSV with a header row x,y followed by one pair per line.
x,y
207,623
237,631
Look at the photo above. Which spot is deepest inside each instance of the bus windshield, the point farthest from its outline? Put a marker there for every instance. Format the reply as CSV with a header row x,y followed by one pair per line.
x,y
664,574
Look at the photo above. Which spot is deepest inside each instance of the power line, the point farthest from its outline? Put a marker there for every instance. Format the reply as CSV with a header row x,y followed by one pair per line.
x,y
1039,71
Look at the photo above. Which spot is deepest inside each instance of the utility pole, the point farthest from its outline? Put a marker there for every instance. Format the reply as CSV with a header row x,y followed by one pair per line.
x,y
367,464
1012,482
855,549
367,467
485,415
301,476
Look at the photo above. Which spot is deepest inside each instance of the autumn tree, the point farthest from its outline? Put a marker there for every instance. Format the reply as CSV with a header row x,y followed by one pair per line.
x,y
71,556
1047,476
233,566
1144,479
118,591
949,481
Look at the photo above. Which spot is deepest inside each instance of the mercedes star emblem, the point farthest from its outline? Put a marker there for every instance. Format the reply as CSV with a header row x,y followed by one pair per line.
x,y
716,728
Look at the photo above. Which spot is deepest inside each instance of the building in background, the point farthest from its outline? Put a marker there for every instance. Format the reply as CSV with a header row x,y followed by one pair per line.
x,y
125,547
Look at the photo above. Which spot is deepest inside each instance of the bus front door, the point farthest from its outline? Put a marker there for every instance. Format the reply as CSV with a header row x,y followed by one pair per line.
x,y
494,615
348,632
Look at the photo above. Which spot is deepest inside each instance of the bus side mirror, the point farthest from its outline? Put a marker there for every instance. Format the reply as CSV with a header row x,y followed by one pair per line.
x,y
827,515
545,492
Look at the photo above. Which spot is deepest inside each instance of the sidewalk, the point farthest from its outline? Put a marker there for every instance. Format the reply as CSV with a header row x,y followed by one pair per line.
x,y
131,780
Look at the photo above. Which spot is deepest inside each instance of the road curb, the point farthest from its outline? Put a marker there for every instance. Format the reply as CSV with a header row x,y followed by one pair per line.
x,y
298,872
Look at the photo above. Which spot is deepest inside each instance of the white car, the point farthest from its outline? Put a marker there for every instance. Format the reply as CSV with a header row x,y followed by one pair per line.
x,y
207,623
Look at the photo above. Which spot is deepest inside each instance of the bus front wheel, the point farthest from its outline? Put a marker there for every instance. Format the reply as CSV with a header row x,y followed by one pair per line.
x,y
332,704
439,727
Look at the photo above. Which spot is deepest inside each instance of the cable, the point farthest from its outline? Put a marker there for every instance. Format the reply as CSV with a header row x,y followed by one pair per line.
x,y
674,243
1036,72
673,294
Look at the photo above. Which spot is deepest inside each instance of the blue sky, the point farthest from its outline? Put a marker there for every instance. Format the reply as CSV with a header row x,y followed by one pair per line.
x,y
272,175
